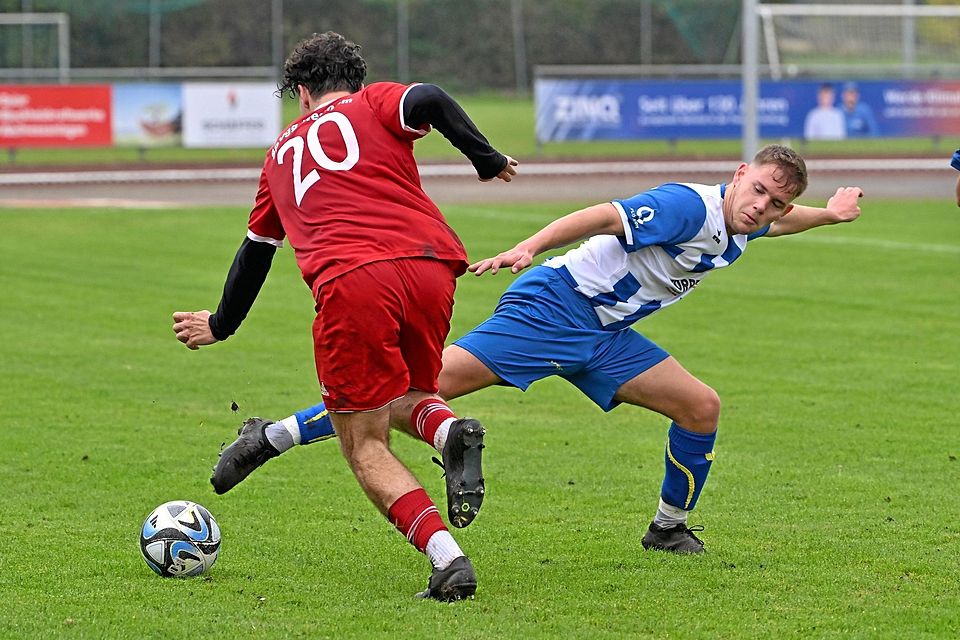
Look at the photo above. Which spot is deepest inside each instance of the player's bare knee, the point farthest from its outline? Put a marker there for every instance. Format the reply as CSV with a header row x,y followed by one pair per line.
x,y
704,412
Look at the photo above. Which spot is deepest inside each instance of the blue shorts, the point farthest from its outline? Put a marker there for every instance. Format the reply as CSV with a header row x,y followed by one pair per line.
x,y
542,327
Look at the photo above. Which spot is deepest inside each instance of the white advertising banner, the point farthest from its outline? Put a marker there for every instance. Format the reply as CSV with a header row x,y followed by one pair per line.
x,y
237,114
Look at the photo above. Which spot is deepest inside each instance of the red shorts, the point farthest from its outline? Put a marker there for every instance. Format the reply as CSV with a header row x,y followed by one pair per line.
x,y
380,330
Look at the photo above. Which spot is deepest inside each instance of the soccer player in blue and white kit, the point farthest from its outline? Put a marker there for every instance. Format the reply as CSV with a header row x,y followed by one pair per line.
x,y
955,163
572,316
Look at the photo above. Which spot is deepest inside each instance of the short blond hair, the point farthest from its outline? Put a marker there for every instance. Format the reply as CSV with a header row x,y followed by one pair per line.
x,y
793,170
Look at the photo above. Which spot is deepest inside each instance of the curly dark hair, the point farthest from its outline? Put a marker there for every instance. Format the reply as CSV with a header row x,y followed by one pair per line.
x,y
793,170
323,63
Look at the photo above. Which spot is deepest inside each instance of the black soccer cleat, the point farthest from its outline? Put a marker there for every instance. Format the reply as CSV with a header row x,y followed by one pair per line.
x,y
676,539
461,465
249,451
456,582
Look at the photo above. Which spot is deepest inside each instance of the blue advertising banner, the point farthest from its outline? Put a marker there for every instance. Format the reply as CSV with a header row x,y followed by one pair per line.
x,y
612,109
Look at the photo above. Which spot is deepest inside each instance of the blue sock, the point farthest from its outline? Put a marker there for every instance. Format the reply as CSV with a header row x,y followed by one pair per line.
x,y
314,424
688,456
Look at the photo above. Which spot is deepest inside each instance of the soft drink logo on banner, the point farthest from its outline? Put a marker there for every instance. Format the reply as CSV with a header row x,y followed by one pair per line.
x,y
638,109
55,115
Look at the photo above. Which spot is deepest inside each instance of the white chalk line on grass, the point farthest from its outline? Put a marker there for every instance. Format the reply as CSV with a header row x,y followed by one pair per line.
x,y
100,203
504,214
494,214
877,243
873,243
145,175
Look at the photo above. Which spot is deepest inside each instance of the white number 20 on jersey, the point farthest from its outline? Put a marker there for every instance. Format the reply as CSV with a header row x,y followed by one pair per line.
x,y
302,183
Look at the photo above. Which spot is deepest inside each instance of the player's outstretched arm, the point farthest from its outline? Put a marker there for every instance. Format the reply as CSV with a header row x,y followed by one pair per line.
x,y
244,280
600,219
428,104
843,206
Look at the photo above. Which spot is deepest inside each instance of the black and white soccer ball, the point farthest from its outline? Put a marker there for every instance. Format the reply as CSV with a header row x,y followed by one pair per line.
x,y
179,539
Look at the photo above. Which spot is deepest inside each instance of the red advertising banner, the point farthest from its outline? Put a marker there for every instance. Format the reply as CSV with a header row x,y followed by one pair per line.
x,y
55,116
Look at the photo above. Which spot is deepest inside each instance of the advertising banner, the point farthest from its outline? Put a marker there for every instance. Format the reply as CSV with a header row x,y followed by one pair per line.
x,y
55,116
916,108
612,109
230,114
147,114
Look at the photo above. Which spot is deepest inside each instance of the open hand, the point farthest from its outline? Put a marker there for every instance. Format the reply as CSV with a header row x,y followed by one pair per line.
x,y
517,259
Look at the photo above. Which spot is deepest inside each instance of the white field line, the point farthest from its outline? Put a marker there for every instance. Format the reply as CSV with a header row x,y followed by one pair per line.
x,y
853,241
115,203
876,243
463,169
144,175
506,214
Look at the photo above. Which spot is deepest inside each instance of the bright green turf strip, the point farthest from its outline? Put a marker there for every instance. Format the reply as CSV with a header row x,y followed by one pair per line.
x,y
831,511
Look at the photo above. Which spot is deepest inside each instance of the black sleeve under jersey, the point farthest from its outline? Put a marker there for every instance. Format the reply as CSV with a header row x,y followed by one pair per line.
x,y
429,104
247,274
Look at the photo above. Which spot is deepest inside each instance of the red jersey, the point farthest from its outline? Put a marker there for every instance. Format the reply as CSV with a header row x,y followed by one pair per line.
x,y
343,185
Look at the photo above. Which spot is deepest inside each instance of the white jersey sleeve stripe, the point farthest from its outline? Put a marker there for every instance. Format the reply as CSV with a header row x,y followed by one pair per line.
x,y
627,231
403,122
277,243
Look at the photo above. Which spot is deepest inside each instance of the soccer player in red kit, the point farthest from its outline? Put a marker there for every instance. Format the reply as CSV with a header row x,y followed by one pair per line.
x,y
342,185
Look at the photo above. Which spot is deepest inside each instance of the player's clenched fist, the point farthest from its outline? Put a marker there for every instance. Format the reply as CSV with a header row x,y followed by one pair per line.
x,y
192,328
845,205
506,174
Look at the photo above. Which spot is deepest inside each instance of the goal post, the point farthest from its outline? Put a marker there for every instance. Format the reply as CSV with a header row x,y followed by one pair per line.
x,y
791,82
60,22
874,39
834,41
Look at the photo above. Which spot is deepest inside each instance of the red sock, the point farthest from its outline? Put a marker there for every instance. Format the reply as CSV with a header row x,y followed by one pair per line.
x,y
427,417
415,515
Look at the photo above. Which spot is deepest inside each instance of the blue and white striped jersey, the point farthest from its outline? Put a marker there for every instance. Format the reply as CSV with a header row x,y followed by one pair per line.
x,y
674,235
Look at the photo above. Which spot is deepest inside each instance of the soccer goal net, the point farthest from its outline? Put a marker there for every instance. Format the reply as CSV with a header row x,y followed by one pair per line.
x,y
884,40
34,46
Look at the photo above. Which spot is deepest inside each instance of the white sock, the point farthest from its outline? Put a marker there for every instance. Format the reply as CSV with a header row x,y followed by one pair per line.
x,y
290,422
279,436
442,549
669,515
440,437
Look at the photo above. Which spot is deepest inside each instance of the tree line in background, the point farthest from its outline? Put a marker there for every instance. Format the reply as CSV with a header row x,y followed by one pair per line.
x,y
465,45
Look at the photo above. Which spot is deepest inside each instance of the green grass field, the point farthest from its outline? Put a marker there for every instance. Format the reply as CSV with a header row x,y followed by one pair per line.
x,y
831,511
508,121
